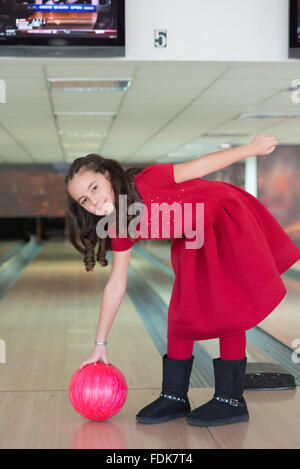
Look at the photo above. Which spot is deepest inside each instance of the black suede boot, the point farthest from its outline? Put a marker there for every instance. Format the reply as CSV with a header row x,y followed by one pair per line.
x,y
173,402
228,404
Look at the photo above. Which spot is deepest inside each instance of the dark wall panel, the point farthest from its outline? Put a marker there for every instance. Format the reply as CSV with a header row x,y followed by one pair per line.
x,y
32,190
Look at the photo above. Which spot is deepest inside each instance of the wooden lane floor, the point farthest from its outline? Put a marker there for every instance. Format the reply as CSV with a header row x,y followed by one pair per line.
x,y
284,322
6,245
9,247
45,420
48,321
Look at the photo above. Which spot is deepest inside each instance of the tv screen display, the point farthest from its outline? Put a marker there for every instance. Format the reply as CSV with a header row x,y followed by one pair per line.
x,y
294,29
61,24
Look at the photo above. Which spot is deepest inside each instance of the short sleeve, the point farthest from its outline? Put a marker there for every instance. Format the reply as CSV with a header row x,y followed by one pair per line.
x,y
119,244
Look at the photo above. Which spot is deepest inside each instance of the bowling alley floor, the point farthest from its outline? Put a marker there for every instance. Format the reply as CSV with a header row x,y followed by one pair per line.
x,y
44,419
48,321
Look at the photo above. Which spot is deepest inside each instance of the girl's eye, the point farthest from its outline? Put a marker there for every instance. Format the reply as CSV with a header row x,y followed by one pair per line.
x,y
84,200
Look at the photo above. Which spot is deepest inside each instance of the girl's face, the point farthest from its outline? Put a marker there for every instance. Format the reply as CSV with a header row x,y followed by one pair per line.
x,y
93,191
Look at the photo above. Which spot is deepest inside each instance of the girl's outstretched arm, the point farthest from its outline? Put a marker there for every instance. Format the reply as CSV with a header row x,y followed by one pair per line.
x,y
112,297
262,144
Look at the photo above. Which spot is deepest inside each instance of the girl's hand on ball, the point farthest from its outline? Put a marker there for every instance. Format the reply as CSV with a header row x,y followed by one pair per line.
x,y
99,354
264,144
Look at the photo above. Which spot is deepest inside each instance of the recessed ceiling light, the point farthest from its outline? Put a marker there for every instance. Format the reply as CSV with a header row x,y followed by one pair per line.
x,y
72,115
228,133
78,134
273,115
199,146
110,84
80,145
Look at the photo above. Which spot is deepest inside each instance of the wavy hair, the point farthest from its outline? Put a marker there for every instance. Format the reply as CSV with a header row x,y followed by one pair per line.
x,y
81,224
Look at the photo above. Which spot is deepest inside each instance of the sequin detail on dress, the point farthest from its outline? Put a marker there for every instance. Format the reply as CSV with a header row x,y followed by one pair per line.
x,y
137,196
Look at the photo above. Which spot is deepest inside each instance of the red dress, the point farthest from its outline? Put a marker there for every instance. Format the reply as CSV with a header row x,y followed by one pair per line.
x,y
231,282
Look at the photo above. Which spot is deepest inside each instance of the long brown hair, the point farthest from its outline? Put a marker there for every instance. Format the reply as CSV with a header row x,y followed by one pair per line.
x,y
81,224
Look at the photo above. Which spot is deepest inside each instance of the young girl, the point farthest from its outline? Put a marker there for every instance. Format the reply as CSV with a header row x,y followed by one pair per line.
x,y
224,284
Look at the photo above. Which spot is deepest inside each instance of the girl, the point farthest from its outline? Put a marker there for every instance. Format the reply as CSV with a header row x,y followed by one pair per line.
x,y
225,285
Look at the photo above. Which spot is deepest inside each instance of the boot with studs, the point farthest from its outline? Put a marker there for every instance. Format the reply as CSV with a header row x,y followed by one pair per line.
x,y
173,401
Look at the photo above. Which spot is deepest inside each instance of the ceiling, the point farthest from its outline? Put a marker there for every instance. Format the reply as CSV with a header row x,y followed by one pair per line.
x,y
168,113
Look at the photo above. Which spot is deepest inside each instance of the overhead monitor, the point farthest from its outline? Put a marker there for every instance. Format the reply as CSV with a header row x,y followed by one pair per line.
x,y
62,28
294,29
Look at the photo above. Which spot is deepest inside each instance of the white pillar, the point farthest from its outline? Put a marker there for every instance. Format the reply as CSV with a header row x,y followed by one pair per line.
x,y
2,351
2,92
251,175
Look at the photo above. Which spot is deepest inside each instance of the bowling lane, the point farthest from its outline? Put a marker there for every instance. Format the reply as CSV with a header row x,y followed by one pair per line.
x,y
284,322
7,247
49,320
33,420
44,420
159,248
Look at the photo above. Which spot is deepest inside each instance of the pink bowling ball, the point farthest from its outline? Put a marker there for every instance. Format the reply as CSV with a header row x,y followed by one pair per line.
x,y
98,391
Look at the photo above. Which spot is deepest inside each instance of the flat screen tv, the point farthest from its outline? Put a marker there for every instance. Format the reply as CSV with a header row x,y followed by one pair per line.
x,y
62,28
294,29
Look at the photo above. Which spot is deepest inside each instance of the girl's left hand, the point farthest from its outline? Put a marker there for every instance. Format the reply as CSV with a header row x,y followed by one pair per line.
x,y
264,144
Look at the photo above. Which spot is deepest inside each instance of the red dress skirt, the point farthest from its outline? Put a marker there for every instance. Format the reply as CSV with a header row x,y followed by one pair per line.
x,y
231,282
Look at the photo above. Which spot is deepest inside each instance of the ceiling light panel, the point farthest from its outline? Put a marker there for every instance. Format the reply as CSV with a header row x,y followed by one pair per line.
x,y
88,85
85,114
228,133
75,145
87,95
85,124
273,115
77,134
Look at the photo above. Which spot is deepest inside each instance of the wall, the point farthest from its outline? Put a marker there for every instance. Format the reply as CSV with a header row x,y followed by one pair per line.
x,y
225,30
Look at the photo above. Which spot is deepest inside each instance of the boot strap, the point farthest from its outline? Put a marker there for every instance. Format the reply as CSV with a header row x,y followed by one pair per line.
x,y
173,398
226,400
